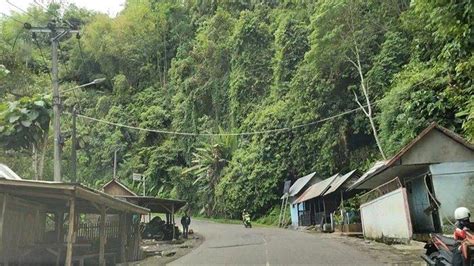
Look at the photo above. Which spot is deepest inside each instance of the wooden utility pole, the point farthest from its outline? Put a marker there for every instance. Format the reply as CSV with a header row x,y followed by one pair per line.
x,y
102,237
74,144
56,33
70,232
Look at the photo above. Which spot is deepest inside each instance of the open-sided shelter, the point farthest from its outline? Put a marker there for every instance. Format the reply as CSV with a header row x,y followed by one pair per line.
x,y
156,205
41,223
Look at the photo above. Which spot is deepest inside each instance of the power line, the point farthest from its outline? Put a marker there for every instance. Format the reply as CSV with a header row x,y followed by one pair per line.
x,y
276,130
16,38
21,9
78,38
14,19
41,53
61,52
52,14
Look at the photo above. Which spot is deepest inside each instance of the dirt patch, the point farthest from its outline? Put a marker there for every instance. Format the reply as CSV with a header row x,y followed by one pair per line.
x,y
164,252
386,254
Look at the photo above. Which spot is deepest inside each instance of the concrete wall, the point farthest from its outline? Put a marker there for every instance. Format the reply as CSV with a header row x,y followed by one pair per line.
x,y
387,218
436,147
454,187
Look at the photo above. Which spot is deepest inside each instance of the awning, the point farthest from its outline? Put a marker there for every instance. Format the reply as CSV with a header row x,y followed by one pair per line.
x,y
156,205
316,190
339,181
377,165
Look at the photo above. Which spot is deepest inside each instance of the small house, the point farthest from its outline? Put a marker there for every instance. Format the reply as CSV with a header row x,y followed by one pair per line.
x,y
298,187
323,198
417,190
313,210
116,188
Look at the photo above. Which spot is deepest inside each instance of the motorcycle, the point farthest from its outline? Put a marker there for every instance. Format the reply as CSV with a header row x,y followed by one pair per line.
x,y
443,250
246,221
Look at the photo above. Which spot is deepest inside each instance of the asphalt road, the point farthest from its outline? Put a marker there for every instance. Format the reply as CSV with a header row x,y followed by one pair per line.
x,y
235,245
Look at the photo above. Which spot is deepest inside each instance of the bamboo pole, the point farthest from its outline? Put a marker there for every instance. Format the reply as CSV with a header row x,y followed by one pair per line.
x,y
70,231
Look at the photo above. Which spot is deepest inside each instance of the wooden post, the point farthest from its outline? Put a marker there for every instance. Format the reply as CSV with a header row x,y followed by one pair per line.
x,y
324,210
2,221
70,231
123,237
102,237
172,219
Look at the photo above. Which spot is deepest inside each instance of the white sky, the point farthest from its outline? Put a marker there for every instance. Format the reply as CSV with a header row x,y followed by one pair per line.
x,y
110,7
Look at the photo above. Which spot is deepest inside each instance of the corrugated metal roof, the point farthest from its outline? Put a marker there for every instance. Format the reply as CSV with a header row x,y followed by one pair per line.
x,y
299,184
377,165
7,173
339,181
317,189
61,191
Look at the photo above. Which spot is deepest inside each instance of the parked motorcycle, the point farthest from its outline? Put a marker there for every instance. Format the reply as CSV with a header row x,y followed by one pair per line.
x,y
442,250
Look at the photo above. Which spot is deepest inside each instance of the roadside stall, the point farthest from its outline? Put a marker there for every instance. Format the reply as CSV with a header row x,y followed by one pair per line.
x,y
43,223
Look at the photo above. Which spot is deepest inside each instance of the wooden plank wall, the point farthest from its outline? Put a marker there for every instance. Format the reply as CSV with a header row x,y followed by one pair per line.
x,y
22,226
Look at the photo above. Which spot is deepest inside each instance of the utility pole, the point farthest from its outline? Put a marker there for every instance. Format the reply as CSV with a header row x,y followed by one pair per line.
x,y
115,164
74,144
56,33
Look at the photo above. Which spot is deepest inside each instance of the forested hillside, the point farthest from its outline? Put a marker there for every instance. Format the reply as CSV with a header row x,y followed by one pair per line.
x,y
229,73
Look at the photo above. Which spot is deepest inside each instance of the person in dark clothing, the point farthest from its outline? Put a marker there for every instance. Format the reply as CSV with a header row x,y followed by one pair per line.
x,y
185,222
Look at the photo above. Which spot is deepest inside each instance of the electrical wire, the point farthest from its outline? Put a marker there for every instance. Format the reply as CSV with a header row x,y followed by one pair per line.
x,y
52,14
21,9
61,53
14,19
42,54
178,133
16,38
78,37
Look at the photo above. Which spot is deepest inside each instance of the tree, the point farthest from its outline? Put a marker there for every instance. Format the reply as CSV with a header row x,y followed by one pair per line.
x,y
208,164
24,125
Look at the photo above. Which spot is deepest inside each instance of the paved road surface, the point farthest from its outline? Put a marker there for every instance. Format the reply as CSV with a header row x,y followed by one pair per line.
x,y
234,244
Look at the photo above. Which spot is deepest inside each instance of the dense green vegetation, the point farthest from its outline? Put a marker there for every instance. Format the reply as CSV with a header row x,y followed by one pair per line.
x,y
233,67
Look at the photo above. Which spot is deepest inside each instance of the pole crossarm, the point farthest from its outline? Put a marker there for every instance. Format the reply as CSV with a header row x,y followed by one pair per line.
x,y
57,30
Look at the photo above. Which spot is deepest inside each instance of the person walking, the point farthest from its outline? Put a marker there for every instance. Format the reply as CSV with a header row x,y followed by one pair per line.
x,y
185,222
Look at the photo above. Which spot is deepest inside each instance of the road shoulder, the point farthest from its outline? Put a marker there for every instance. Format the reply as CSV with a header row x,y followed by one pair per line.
x,y
168,251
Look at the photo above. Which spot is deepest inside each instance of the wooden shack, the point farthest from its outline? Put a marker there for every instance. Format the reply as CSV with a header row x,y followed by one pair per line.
x,y
116,188
42,223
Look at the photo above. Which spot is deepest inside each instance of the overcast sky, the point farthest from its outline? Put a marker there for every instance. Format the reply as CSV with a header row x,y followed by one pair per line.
x,y
110,7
